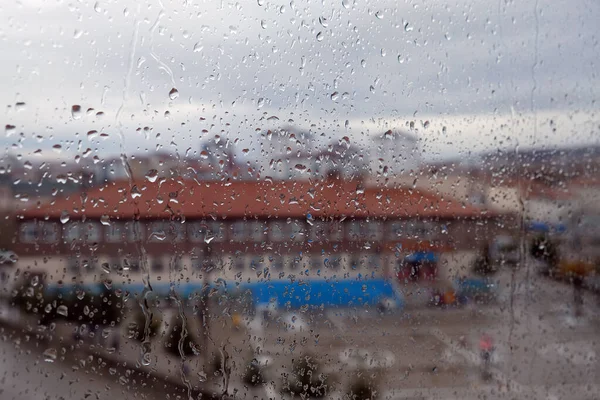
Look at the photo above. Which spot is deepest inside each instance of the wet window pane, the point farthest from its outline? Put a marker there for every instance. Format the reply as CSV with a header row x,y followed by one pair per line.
x,y
274,199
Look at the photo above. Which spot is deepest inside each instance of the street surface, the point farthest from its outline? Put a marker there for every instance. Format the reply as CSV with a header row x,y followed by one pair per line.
x,y
542,352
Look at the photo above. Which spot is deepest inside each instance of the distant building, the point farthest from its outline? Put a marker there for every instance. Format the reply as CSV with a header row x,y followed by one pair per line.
x,y
259,231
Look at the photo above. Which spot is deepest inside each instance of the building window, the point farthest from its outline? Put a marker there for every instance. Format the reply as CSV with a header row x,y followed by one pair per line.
x,y
256,264
32,232
90,231
73,265
239,263
297,231
276,263
198,232
257,231
318,231
316,263
157,265
29,232
49,232
238,231
397,229
177,232
333,262
335,231
373,230
131,264
115,233
177,263
355,230
89,265
374,261
297,263
278,231
135,230
356,263
71,232
158,232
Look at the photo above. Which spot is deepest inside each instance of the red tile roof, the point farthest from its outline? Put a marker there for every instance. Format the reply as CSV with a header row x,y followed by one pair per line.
x,y
262,199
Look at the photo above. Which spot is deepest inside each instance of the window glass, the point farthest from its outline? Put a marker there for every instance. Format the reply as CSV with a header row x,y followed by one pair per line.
x,y
284,199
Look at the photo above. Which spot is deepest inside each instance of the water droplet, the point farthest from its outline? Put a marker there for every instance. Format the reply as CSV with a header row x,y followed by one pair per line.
x,y
77,33
97,7
50,355
35,280
320,36
158,235
152,175
105,220
407,27
48,308
76,111
346,4
9,129
64,217
145,359
202,376
80,294
300,168
106,268
62,310
426,124
173,94
400,59
379,15
263,24
20,106
261,102
260,2
334,96
324,22
198,48
135,192
444,129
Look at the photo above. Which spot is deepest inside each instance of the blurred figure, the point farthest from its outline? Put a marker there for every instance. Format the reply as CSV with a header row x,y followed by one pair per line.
x,y
486,350
578,294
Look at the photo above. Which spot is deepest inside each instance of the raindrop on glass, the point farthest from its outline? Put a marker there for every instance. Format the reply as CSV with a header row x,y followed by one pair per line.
x,y
76,111
173,94
62,310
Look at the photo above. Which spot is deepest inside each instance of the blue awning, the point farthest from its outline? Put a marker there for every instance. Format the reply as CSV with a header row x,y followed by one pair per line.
x,y
421,256
544,227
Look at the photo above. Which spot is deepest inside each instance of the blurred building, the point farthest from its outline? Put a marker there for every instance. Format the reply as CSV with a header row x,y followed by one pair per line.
x,y
259,231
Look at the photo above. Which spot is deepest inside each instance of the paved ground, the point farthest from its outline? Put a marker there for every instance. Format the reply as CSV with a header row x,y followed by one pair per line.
x,y
543,352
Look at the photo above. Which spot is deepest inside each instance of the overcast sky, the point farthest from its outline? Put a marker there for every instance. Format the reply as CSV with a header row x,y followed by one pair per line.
x,y
480,73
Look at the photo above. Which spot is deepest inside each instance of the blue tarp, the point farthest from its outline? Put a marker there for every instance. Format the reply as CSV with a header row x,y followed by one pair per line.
x,y
312,293
421,256
538,226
